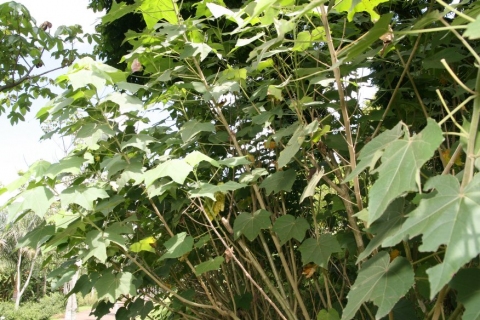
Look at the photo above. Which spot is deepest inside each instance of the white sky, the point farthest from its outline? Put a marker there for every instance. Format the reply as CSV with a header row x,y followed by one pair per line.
x,y
19,144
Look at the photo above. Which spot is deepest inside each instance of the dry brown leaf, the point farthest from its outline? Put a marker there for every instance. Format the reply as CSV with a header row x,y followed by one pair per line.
x,y
309,270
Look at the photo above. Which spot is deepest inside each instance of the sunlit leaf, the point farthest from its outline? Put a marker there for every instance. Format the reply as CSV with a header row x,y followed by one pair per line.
x,y
66,165
371,153
196,157
126,102
155,10
38,199
144,245
473,29
82,195
292,147
354,6
192,49
140,141
312,184
176,169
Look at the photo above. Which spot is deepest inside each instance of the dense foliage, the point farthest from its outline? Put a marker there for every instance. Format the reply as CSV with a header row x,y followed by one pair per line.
x,y
25,44
245,179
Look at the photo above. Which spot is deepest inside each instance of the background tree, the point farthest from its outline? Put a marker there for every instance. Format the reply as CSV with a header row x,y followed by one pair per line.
x,y
23,75
16,259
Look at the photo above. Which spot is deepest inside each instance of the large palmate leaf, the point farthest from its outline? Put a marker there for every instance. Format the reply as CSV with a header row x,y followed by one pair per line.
x,y
37,199
111,285
177,246
82,195
36,237
97,246
66,165
132,172
373,150
176,169
140,141
388,224
292,147
209,190
451,217
126,103
193,127
400,168
381,282
288,227
250,225
279,181
91,133
155,10
319,250
196,157
467,284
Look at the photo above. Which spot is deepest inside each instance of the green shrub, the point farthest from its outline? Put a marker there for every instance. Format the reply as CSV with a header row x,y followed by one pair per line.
x,y
41,310
87,300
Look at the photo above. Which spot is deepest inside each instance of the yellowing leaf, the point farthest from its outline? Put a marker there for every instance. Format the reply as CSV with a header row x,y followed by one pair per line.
x,y
393,254
269,145
146,244
309,270
213,208
353,7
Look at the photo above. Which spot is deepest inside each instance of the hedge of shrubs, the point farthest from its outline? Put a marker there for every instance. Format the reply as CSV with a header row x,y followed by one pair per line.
x,y
41,310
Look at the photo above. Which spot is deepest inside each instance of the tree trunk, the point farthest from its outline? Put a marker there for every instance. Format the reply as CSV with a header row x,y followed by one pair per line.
x,y
20,292
44,282
71,308
16,292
